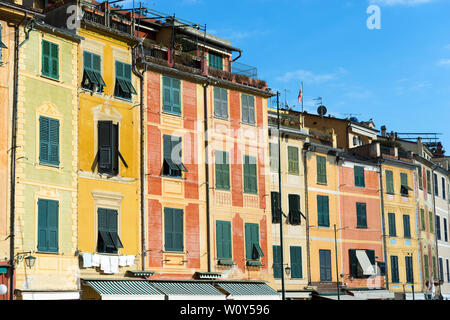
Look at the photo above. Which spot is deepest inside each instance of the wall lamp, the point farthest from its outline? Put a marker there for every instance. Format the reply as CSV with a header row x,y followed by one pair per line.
x,y
29,259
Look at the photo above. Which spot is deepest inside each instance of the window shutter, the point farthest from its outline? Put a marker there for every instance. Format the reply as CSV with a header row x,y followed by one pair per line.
x,y
42,225
105,146
245,111
293,160
176,93
167,101
353,263
115,149
223,240
274,200
178,229
45,58
54,61
392,230
248,242
277,269
394,269
321,169
251,109
361,213
54,141
422,219
296,262
168,229
294,209
323,211
359,176
44,139
406,226
389,182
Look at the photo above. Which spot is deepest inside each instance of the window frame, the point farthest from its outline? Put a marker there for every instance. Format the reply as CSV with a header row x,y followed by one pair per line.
x,y
359,174
169,91
222,170
108,234
123,85
177,244
323,212
293,160
250,175
224,246
92,73
326,273
248,104
321,169
52,73
220,103
53,132
359,207
44,228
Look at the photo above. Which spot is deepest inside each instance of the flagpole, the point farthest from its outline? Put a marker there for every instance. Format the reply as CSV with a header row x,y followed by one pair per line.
x,y
302,96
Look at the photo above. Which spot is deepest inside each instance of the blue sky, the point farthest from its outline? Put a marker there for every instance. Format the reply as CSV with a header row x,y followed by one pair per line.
x,y
397,75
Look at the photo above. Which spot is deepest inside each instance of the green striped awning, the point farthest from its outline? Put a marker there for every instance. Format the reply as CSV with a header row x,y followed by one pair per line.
x,y
189,290
125,289
249,291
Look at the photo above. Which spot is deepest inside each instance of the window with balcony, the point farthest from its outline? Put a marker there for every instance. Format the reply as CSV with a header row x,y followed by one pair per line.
x,y
215,61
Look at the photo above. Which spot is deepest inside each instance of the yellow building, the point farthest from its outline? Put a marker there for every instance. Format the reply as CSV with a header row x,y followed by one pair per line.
x,y
293,265
322,201
108,177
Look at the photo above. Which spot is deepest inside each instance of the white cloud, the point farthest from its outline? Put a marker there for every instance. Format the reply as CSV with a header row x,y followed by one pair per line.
x,y
308,76
400,2
444,62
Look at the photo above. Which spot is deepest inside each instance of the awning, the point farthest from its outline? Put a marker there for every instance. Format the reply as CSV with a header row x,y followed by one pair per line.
x,y
364,261
50,295
188,290
364,295
298,295
125,289
417,296
249,291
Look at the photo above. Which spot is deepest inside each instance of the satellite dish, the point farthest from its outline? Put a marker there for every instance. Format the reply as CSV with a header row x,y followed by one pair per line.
x,y
3,289
321,110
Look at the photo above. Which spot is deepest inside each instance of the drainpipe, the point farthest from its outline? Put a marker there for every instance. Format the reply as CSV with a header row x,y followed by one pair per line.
x,y
386,272
14,145
305,170
142,147
208,235
435,229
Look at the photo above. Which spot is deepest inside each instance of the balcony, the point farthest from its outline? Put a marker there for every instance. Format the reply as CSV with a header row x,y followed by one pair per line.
x,y
113,21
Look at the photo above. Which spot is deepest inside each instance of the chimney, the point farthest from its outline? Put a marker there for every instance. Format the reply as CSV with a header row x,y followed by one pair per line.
x,y
383,131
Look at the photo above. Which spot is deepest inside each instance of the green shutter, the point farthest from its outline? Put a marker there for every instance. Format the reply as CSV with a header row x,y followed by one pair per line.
x,y
222,168
171,95
248,109
425,265
223,239
250,175
293,165
296,262
48,225
325,265
50,59
359,176
277,269
220,103
392,228
321,170
173,229
323,211
251,239
394,269
404,183
361,215
406,227
389,182
422,219
48,141
431,221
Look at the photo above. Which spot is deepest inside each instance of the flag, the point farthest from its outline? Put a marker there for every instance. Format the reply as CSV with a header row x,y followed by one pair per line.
x,y
300,94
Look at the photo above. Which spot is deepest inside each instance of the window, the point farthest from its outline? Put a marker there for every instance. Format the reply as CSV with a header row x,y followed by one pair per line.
x,y
434,268
221,103
438,227
441,269
222,165
359,176
108,153
321,170
323,211
296,262
275,204
173,229
293,167
431,221
108,238
422,219
92,74
356,269
172,165
250,179
50,60
294,209
2,45
277,268
443,188
436,185
389,182
445,230
124,88
248,109
171,95
215,61
48,141
48,212
252,249
409,270
425,267
429,181
404,184
406,227
325,265
448,270
361,215
392,230
394,269
273,155
223,240
419,175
